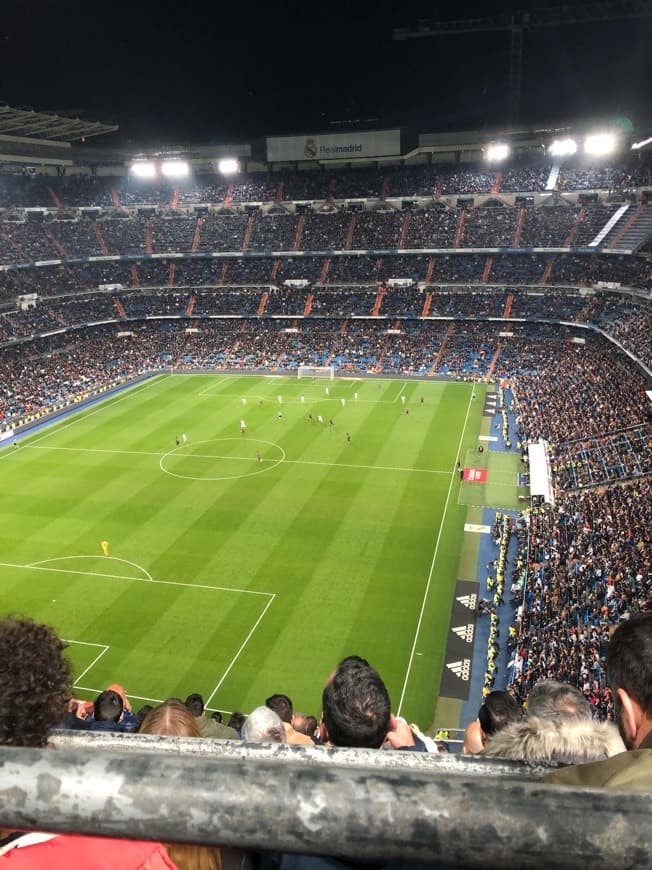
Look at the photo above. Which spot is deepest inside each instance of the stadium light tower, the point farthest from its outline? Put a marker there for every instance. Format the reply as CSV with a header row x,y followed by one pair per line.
x,y
143,169
228,166
599,144
562,147
175,169
516,23
496,152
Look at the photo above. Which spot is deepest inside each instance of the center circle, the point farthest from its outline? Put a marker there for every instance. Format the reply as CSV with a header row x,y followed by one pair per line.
x,y
254,453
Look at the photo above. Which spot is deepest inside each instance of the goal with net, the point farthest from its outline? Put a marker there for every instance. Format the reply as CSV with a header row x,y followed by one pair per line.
x,y
316,372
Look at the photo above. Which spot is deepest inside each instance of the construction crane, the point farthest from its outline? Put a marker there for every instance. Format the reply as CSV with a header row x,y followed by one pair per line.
x,y
518,22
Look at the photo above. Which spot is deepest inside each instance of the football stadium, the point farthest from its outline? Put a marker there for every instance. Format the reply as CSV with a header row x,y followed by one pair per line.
x,y
327,474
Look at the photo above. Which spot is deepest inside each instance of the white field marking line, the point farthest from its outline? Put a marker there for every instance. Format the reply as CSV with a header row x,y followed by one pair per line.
x,y
400,392
434,558
241,458
95,660
148,576
80,415
237,655
82,642
135,579
207,391
128,694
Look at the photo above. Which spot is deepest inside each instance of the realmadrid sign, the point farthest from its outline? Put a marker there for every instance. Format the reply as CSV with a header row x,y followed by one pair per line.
x,y
310,149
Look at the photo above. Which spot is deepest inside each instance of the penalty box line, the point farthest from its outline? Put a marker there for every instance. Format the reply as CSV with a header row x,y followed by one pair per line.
x,y
32,567
270,596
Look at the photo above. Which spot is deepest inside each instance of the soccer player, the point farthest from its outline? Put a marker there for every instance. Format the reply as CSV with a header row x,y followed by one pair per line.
x,y
327,391
280,400
184,437
105,547
348,436
402,399
355,396
280,415
177,440
303,399
310,416
343,401
243,428
244,401
320,418
331,422
258,456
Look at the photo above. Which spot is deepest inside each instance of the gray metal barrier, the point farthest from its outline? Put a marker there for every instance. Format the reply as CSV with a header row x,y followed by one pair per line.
x,y
349,811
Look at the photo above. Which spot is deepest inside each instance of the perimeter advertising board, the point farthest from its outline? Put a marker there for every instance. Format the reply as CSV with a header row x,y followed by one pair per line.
x,y
334,146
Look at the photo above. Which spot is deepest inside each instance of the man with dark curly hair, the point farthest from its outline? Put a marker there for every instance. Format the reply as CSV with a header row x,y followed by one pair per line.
x,y
34,694
35,685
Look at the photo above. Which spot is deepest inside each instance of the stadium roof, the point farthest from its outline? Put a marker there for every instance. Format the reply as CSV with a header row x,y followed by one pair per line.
x,y
27,123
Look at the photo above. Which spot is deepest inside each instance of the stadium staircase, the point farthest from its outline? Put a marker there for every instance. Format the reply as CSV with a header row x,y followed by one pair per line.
x,y
262,305
248,231
494,360
115,196
331,189
275,268
508,305
197,236
134,275
520,219
441,351
338,344
225,269
439,186
324,271
612,226
349,235
55,199
404,229
299,233
171,271
228,196
190,307
545,277
308,307
279,193
101,241
119,307
385,187
487,269
174,201
387,343
57,244
495,187
375,311
148,236
426,305
551,183
570,238
431,269
460,229
636,231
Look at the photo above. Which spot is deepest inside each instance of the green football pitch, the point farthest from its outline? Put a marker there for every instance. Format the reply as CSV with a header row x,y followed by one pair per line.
x,y
239,566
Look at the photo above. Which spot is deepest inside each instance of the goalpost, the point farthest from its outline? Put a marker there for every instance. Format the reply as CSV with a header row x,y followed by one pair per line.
x,y
316,372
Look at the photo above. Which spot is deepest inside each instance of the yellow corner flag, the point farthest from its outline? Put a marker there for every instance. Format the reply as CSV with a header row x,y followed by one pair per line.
x,y
105,547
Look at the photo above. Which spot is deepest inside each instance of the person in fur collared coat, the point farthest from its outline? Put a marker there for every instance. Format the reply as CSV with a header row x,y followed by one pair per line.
x,y
559,727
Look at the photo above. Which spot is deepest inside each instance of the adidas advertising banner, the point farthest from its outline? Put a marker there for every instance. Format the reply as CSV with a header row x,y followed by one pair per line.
x,y
334,146
456,676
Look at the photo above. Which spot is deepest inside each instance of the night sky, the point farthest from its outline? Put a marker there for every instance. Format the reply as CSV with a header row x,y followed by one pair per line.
x,y
203,73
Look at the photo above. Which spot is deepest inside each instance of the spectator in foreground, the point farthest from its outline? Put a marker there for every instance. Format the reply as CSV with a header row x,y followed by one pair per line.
x,y
282,705
357,711
34,694
263,725
559,727
629,667
208,727
173,719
